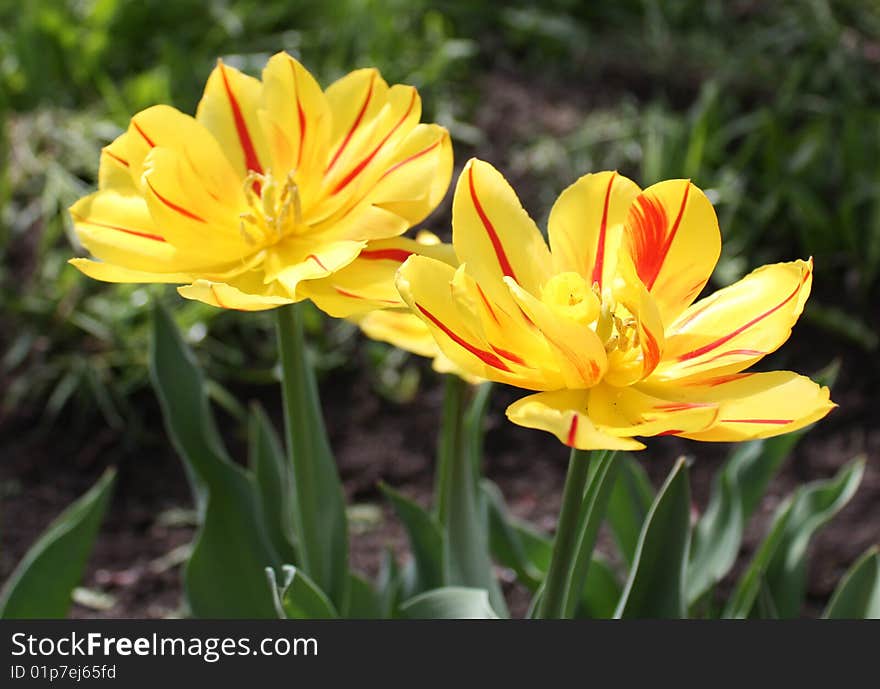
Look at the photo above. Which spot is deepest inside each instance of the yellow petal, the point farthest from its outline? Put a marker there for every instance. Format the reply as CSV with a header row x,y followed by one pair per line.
x,y
226,296
355,101
118,228
753,405
190,216
297,124
564,414
367,156
114,171
736,326
108,272
579,352
494,235
582,222
296,260
630,411
417,177
229,110
425,285
367,282
162,126
403,329
671,233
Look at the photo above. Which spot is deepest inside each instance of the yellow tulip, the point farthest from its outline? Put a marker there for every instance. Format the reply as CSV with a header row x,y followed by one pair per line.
x,y
276,191
603,324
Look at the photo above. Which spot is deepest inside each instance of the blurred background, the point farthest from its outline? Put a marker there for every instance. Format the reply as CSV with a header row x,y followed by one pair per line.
x,y
772,108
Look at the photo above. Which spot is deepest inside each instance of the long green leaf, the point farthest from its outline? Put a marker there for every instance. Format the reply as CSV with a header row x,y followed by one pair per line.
x,y
779,563
628,505
319,502
450,603
655,588
857,597
272,482
425,539
786,574
224,576
42,584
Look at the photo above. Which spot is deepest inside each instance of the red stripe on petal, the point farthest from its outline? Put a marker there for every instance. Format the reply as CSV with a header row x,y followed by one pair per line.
x,y
251,161
488,305
572,431
510,356
671,431
399,255
312,257
599,260
484,356
143,134
173,206
301,115
772,422
732,352
352,295
354,126
411,158
650,237
503,261
115,157
682,406
757,319
145,235
366,161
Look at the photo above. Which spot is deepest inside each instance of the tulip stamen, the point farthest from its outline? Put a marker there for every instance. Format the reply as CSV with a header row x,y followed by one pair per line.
x,y
275,210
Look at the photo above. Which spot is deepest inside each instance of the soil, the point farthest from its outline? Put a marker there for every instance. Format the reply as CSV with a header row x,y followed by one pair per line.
x,y
135,560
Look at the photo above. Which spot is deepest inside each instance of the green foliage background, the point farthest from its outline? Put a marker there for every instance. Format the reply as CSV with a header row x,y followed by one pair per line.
x,y
773,108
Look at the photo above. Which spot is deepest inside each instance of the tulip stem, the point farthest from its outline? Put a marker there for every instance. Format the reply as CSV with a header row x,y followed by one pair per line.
x,y
565,543
317,500
451,447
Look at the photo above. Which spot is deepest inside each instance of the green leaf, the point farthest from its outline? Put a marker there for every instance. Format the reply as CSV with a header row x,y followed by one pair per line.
x,y
299,598
224,576
388,585
736,492
786,574
42,583
450,603
655,588
272,480
319,522
425,539
857,596
628,505
780,561
364,603
514,543
601,591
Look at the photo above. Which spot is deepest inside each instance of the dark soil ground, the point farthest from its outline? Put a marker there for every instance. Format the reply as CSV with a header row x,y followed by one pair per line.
x,y
136,559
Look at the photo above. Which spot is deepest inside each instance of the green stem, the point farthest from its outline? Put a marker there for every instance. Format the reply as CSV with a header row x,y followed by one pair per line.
x,y
566,541
317,497
451,446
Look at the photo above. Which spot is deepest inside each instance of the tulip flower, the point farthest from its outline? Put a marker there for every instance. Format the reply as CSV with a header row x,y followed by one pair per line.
x,y
603,324
275,192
